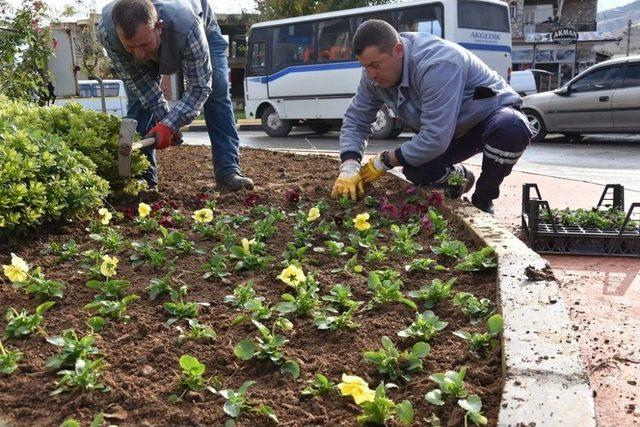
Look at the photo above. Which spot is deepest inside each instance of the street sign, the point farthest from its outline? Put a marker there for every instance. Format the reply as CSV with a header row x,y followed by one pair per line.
x,y
565,36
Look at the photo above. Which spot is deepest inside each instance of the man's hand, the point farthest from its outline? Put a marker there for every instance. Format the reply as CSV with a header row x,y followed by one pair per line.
x,y
374,169
349,182
165,136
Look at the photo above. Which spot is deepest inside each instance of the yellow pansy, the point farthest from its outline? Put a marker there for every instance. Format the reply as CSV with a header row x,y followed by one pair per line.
x,y
144,210
314,213
292,276
109,265
105,216
203,215
18,270
246,245
362,222
355,386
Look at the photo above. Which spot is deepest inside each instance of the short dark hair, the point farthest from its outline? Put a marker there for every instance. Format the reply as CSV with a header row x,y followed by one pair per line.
x,y
375,32
129,14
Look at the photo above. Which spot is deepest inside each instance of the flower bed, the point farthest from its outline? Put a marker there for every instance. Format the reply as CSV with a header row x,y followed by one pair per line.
x,y
225,284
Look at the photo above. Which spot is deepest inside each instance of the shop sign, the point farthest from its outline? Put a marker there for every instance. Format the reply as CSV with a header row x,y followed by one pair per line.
x,y
564,36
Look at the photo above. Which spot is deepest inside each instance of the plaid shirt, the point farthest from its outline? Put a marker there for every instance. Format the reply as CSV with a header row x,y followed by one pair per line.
x,y
143,80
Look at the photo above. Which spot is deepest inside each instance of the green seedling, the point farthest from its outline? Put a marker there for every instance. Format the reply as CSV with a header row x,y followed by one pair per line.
x,y
318,385
450,383
216,267
426,326
160,286
196,332
383,409
475,308
192,377
20,324
178,308
115,310
395,364
257,310
486,342
251,256
146,225
109,239
144,252
386,288
236,403
334,248
332,319
473,405
177,242
451,249
109,288
432,295
420,265
340,297
9,360
85,375
241,295
351,267
295,255
376,254
440,225
268,346
73,348
65,252
43,288
456,179
403,242
479,260
304,302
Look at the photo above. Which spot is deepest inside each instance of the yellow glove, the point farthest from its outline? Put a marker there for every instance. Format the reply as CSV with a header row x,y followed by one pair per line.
x,y
349,182
373,170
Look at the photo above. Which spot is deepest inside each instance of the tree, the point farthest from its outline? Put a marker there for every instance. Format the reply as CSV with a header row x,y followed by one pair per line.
x,y
276,9
25,46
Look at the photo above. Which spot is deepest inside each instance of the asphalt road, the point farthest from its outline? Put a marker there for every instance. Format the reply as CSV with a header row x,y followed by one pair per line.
x,y
597,159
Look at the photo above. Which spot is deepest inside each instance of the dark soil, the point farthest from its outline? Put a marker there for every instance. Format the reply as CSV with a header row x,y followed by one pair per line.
x,y
143,355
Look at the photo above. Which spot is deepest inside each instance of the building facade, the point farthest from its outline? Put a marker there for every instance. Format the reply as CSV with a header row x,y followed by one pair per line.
x,y
532,25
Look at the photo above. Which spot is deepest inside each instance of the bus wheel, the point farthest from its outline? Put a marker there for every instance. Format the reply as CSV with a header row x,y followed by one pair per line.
x,y
273,125
384,125
320,127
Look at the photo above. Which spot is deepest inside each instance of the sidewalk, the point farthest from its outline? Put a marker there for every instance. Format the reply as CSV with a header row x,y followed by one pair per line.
x,y
602,294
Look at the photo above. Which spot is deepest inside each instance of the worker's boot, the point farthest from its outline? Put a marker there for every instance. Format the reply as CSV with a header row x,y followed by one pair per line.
x,y
234,182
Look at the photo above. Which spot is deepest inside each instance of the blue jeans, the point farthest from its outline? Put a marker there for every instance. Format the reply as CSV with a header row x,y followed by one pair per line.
x,y
502,137
218,116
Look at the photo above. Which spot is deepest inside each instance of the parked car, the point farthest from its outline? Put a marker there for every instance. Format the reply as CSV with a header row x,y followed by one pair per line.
x,y
528,82
89,96
603,99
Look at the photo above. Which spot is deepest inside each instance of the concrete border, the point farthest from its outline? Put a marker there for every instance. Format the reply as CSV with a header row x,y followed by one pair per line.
x,y
545,381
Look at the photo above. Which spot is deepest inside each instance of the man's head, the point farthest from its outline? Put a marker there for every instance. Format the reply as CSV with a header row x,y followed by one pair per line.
x,y
379,50
138,27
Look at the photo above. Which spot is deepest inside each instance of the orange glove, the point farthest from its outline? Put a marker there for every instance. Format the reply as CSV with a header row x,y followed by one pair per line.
x,y
373,170
349,182
165,136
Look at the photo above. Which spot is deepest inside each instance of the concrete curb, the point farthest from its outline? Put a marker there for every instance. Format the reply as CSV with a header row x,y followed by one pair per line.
x,y
242,124
546,383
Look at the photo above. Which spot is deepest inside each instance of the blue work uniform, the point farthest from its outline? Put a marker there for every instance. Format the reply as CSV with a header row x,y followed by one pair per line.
x,y
456,104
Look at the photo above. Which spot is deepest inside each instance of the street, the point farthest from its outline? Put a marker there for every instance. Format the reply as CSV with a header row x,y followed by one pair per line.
x,y
598,159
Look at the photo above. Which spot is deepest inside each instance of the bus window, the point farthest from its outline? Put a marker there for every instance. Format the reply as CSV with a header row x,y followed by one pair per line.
x,y
257,58
334,40
423,19
385,16
483,16
292,45
84,91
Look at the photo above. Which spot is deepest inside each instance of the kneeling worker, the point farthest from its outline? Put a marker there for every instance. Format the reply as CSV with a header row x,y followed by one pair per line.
x,y
457,105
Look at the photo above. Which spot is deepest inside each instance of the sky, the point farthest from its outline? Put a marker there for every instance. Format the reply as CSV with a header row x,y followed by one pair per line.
x,y
236,6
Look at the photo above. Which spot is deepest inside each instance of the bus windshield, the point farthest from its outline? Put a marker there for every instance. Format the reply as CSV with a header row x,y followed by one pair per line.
x,y
483,16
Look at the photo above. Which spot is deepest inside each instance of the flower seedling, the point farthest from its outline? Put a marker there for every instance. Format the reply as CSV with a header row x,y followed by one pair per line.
x,y
451,249
65,252
382,409
32,283
356,387
318,385
145,252
340,297
350,267
268,346
216,267
241,295
333,248
479,260
92,262
292,276
403,242
96,422
115,310
385,286
304,302
160,286
295,255
473,405
178,308
192,375
72,349
85,375
395,364
257,309
109,239
109,288
251,255
20,324
376,254
236,403
177,242
196,332
426,326
332,319
487,341
420,265
450,383
439,224
432,295
143,221
476,308
9,360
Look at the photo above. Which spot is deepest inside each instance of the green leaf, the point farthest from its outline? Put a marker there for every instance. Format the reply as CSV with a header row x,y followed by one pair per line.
x,y
290,367
494,324
97,420
404,412
285,307
421,349
232,409
70,422
268,412
191,364
471,403
435,397
245,386
245,349
96,323
44,307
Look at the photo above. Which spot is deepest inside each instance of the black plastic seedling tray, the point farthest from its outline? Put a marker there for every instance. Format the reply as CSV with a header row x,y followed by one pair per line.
x,y
556,238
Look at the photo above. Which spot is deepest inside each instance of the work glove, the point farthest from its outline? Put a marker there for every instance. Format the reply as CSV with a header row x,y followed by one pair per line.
x,y
373,170
349,182
165,136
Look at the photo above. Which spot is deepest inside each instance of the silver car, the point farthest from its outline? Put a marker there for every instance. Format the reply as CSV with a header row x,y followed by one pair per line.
x,y
603,99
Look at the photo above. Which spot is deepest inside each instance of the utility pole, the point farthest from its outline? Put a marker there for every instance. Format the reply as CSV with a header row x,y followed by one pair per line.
x,y
628,36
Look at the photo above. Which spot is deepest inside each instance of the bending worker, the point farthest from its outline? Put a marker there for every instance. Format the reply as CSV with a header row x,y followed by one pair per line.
x,y
456,104
148,38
